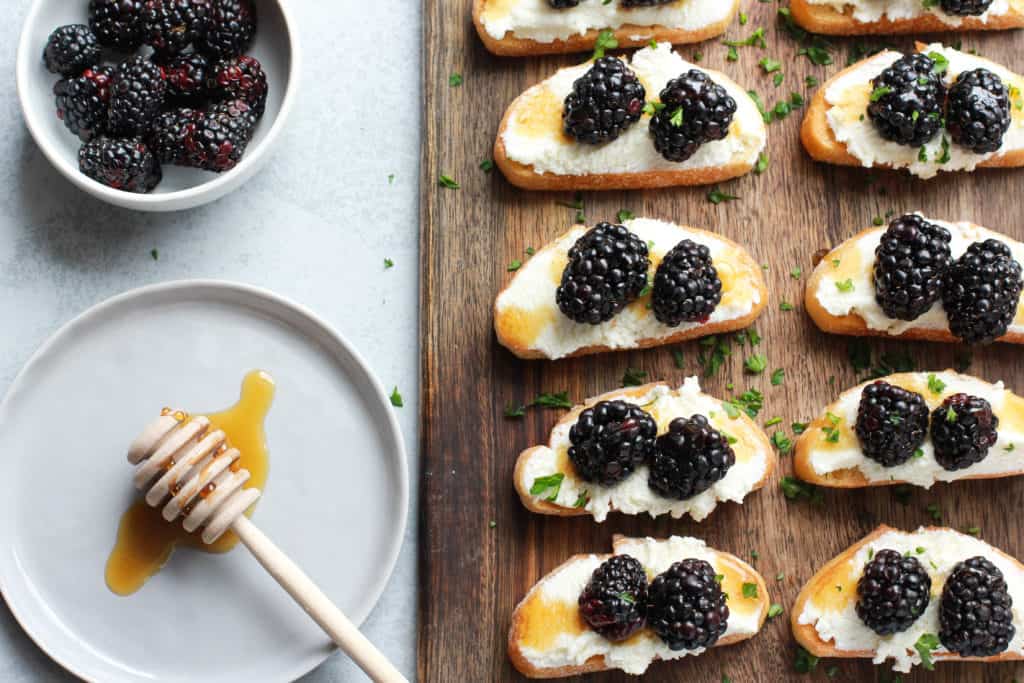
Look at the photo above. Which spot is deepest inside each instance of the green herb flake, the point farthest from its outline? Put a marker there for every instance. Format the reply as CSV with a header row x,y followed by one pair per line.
x,y
798,427
925,645
677,358
605,41
625,215
786,306
770,65
513,411
880,92
811,82
775,610
794,489
782,442
447,182
778,377
934,512
388,263
633,377
935,385
743,18
762,163
582,500
805,662
756,364
154,254
716,197
750,591
455,79
941,63
558,400
845,286
487,165
547,487
396,398
515,265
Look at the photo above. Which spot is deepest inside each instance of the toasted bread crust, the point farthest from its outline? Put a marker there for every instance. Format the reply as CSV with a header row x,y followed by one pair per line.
x,y
629,35
544,507
596,663
807,635
830,21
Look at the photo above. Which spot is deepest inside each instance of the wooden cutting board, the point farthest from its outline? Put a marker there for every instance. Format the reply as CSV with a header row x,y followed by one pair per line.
x,y
480,550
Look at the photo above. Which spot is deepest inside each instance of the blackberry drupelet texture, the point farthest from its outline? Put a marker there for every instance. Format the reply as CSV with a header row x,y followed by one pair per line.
x,y
910,261
907,101
686,285
976,610
891,423
563,4
231,28
216,141
696,110
136,96
981,292
170,26
964,428
117,23
186,76
965,8
978,111
70,50
236,109
614,601
123,164
607,269
82,102
686,606
689,458
239,78
604,101
892,593
166,138
609,440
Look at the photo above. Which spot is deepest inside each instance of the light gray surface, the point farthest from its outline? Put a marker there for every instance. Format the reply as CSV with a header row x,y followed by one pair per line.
x,y
315,225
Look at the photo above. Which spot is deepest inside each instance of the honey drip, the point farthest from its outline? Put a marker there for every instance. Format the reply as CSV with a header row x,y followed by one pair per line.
x,y
145,541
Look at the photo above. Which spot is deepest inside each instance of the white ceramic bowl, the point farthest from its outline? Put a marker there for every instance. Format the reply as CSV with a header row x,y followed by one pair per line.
x,y
274,46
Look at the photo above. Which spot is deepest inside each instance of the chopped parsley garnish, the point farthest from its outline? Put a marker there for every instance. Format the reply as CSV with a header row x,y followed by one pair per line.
x,y
775,610
515,265
780,576
782,442
943,155
778,78
973,531
582,501
902,493
743,18
1009,447
760,105
731,410
798,427
785,306
677,358
652,108
750,401
547,487
750,591
716,196
388,263
577,205
676,119
941,63
845,286
934,512
922,154
396,398
447,182
796,272
935,385
733,54
755,39
918,453
625,215
778,377
605,41
950,414
486,165
391,178
880,92
154,254
811,82
633,377
512,410
924,646
559,400
756,364
770,65
805,662
714,350
796,99
762,163
455,80
773,421
794,489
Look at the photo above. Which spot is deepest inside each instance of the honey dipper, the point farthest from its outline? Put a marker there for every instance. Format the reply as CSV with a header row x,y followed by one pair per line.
x,y
187,466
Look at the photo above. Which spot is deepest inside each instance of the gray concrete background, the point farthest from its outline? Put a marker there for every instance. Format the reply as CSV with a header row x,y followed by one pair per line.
x,y
323,196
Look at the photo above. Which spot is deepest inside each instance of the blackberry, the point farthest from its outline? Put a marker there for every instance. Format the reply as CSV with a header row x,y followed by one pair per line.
x,y
965,8
609,440
82,102
696,110
964,428
906,103
689,458
136,96
892,593
70,50
981,291
686,285
686,606
978,111
117,23
237,109
186,76
166,138
239,78
910,260
644,3
563,4
170,26
891,423
975,613
216,141
231,28
603,103
126,165
607,269
614,602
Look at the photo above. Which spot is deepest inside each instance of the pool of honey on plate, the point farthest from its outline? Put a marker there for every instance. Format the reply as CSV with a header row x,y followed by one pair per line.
x,y
145,540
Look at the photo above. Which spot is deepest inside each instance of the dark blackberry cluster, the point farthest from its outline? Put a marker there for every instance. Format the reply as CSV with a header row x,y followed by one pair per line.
x,y
607,269
964,428
892,593
686,285
186,76
123,164
891,423
239,78
695,110
231,28
686,606
907,100
965,8
614,601
978,111
604,101
166,138
82,102
170,26
136,96
689,458
117,23
976,610
217,140
609,440
70,50
910,260
981,291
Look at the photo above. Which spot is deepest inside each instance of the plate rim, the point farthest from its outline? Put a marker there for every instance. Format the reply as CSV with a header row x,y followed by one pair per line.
x,y
239,289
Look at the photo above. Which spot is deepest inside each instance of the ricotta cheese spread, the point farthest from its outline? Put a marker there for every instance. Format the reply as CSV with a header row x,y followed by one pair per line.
x,y
938,551
633,495
848,97
855,273
534,134
870,11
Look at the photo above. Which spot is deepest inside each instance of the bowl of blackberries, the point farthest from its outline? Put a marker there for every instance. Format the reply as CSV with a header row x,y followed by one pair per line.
x,y
157,105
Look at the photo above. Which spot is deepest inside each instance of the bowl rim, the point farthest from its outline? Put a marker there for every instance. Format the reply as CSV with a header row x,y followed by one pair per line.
x,y
214,188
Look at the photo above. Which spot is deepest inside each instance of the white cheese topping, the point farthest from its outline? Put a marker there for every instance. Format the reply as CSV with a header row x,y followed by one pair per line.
x,y
869,11
550,151
632,495
938,551
863,141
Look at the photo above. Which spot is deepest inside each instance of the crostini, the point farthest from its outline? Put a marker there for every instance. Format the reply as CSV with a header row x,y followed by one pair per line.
x,y
673,124
956,598
921,278
553,628
684,453
892,111
884,17
914,428
551,308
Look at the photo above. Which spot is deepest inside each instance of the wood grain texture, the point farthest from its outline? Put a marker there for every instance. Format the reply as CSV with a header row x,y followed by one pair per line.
x,y
473,575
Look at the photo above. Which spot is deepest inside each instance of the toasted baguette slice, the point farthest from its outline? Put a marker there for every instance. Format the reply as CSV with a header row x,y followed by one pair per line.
x,y
570,495
824,620
528,322
829,20
534,153
837,130
556,31
840,294
828,453
549,639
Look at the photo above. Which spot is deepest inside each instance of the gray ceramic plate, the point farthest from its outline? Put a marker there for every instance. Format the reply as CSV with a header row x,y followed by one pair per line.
x,y
335,501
